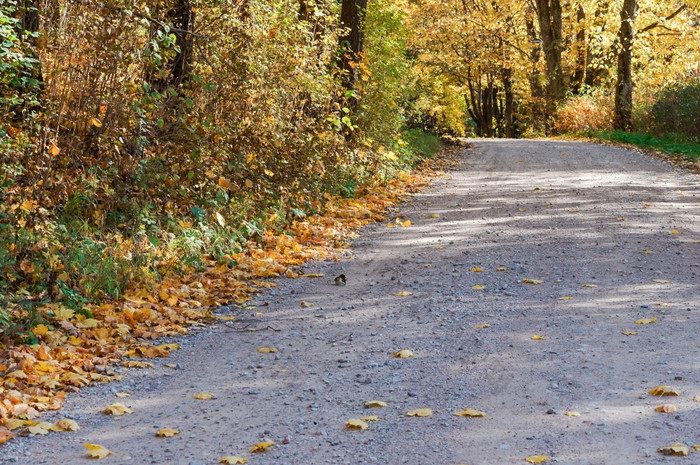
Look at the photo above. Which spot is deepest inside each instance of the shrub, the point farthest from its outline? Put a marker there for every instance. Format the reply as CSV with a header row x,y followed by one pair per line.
x,y
677,110
584,113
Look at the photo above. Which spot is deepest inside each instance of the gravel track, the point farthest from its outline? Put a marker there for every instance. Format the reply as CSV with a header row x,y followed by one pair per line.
x,y
565,213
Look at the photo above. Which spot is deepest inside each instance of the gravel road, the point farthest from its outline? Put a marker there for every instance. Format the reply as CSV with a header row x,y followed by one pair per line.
x,y
596,225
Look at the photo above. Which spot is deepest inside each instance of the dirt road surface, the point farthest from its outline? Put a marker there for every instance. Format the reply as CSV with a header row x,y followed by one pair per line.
x,y
612,235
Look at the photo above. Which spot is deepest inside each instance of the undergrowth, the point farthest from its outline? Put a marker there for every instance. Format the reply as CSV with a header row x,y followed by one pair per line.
x,y
672,144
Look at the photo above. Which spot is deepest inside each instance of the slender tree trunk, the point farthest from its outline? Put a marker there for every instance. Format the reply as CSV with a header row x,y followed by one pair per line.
x,y
536,88
623,89
508,104
182,18
351,18
579,75
549,15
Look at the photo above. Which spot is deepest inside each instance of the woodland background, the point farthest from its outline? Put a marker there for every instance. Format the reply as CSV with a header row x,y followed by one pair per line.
x,y
142,138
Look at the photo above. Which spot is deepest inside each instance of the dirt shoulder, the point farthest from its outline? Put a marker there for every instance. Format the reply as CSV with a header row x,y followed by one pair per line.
x,y
612,235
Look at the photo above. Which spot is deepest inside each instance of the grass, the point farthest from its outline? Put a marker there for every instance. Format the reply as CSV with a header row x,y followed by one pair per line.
x,y
672,144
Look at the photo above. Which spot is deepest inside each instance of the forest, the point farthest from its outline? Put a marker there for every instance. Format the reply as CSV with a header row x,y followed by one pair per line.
x,y
145,141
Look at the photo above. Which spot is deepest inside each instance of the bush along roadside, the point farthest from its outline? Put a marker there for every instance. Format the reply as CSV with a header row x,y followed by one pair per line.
x,y
62,346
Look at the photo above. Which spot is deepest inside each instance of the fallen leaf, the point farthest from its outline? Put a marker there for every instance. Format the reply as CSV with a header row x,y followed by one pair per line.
x,y
696,447
433,215
14,423
536,458
673,231
589,285
5,435
627,332
537,338
375,404
478,287
118,409
137,364
532,281
476,269
96,122
484,325
96,451
403,293
219,219
41,428
648,252
646,321
696,398
501,268
233,460
167,432
622,219
312,275
54,150
123,394
574,211
661,281
667,408
305,304
421,412
664,391
405,353
355,423
370,418
569,413
677,449
204,395
406,223
565,298
67,424
469,412
267,350
261,446
390,225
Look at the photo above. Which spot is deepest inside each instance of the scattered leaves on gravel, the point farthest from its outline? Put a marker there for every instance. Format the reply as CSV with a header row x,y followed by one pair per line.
x,y
677,449
421,412
118,409
96,451
356,423
664,391
167,432
469,412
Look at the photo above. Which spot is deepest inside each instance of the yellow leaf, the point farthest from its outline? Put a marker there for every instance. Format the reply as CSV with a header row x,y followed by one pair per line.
x,y
664,391
622,219
28,205
5,435
370,418
421,412
390,225
185,224
13,423
469,412
97,452
433,215
696,447
204,395
673,231
54,150
96,122
355,423
233,460
531,281
678,449
501,268
219,219
405,353
536,458
484,325
261,446
118,409
403,293
667,408
476,269
305,304
565,298
478,287
169,346
268,172
661,281
137,364
406,223
589,285
648,252
375,404
696,398
67,424
569,413
248,183
627,332
537,338
167,432
41,428
646,321
312,275
267,350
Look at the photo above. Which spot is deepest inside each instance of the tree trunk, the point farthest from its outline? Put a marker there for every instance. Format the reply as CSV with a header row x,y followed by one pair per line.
x,y
351,17
182,18
508,96
579,75
549,15
623,89
536,89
